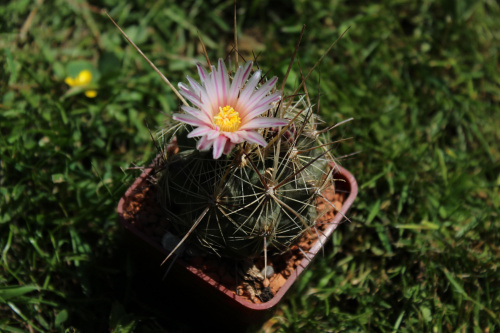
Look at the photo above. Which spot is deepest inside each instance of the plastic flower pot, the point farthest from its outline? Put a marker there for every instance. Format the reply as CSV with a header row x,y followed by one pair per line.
x,y
214,298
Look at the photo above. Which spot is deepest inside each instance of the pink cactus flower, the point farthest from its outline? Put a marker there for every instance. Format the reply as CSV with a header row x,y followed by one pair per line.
x,y
227,113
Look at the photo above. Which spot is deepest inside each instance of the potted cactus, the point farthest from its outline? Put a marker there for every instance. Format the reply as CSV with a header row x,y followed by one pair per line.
x,y
247,192
244,192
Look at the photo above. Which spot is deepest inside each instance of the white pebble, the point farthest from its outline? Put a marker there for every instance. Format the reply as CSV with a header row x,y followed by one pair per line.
x,y
268,271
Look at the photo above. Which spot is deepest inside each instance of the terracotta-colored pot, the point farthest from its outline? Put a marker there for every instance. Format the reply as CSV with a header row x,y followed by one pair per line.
x,y
214,296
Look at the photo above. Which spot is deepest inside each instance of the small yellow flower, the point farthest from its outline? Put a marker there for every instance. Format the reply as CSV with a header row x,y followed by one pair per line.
x,y
91,93
83,79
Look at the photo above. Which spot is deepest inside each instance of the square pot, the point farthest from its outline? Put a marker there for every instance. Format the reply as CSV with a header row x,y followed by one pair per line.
x,y
214,298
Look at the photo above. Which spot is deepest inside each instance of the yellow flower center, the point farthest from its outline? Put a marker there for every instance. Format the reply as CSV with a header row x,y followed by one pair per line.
x,y
227,120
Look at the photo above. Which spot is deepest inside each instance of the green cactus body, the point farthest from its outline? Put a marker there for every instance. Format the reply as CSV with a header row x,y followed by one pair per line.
x,y
256,198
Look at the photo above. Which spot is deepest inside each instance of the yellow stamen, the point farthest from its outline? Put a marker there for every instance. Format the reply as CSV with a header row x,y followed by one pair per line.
x,y
227,120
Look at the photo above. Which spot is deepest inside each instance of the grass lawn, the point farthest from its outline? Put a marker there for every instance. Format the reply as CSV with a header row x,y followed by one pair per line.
x,y
420,78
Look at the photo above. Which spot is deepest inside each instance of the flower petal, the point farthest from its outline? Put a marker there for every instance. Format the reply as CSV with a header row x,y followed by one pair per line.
x,y
211,88
255,113
190,95
201,115
253,137
204,144
264,122
262,107
269,99
219,144
228,147
188,119
223,86
247,92
199,131
213,134
91,93
234,137
202,72
192,111
261,93
238,82
196,87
